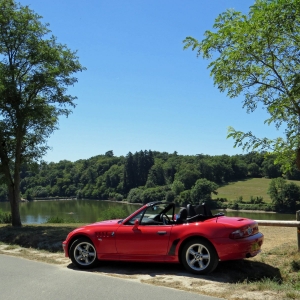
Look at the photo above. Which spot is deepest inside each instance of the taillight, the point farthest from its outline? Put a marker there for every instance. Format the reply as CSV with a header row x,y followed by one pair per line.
x,y
244,231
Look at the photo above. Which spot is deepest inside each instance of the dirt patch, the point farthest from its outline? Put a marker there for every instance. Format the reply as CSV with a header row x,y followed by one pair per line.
x,y
231,280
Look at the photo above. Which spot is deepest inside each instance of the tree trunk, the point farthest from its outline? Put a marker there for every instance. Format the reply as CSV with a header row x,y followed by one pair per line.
x,y
14,198
298,158
12,180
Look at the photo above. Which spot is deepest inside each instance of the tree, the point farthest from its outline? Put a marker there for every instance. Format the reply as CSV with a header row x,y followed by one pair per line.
x,y
109,153
284,195
257,56
188,175
177,187
202,190
35,71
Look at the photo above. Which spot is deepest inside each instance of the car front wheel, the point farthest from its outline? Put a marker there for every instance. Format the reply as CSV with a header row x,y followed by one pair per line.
x,y
199,256
83,253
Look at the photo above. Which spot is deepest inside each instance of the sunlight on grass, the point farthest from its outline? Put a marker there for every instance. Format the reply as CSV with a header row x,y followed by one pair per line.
x,y
247,188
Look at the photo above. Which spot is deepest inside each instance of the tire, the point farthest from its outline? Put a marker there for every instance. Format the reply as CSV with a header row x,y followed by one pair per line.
x,y
83,253
198,256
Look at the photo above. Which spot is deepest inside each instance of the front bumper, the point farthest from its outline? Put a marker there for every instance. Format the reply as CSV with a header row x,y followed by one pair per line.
x,y
65,248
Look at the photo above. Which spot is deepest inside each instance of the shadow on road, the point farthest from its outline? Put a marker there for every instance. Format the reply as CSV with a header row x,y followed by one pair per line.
x,y
226,272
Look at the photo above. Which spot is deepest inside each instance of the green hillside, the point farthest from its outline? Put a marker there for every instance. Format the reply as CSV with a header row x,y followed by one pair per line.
x,y
247,188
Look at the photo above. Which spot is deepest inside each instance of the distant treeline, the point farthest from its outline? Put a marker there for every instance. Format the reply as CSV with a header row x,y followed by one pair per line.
x,y
143,176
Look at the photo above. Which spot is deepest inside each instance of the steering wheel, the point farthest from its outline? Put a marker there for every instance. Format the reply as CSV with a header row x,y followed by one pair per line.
x,y
165,219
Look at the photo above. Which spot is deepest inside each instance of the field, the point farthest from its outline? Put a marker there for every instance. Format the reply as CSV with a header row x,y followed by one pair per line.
x,y
247,188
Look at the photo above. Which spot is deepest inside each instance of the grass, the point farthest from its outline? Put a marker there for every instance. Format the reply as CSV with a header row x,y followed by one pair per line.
x,y
247,188
43,237
59,220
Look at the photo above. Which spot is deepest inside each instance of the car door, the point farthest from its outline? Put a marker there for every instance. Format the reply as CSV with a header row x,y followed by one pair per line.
x,y
149,238
143,239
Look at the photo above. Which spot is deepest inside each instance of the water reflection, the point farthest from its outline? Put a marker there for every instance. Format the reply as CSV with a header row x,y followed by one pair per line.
x,y
88,211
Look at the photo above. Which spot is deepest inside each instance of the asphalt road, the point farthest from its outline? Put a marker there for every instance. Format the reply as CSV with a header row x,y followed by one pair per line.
x,y
25,279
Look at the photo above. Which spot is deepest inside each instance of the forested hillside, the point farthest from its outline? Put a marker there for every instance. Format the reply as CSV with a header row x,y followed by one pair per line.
x,y
143,176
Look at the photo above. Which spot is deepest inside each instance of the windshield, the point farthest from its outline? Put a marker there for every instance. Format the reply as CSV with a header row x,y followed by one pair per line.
x,y
159,214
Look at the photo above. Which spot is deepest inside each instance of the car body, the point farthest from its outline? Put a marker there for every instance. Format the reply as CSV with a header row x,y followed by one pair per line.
x,y
154,233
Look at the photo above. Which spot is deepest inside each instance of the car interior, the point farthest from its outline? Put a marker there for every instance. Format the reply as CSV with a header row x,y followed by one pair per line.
x,y
164,214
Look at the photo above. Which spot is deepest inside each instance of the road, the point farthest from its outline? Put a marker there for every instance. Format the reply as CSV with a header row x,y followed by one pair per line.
x,y
25,279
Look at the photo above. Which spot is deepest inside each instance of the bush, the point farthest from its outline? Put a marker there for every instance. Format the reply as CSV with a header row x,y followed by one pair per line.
x,y
135,195
170,196
185,198
113,212
59,220
233,205
216,204
249,206
256,200
5,217
221,199
153,194
116,196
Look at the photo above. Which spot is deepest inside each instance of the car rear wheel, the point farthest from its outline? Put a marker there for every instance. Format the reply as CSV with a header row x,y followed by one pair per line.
x,y
83,253
199,256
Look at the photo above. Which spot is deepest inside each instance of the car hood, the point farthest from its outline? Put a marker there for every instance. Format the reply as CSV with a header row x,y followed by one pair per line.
x,y
107,222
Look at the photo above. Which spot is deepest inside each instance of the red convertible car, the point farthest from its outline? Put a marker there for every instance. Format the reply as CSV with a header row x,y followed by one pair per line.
x,y
154,233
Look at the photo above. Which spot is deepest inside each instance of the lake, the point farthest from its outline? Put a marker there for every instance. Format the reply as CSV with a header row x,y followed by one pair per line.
x,y
87,211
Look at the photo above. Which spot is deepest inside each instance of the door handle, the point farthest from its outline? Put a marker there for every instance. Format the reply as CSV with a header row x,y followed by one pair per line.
x,y
161,232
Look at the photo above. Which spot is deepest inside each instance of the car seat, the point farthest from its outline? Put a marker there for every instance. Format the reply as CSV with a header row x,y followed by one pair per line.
x,y
202,209
182,216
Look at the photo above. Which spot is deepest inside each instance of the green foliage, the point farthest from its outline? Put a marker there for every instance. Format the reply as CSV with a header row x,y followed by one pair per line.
x,y
59,220
156,175
256,55
177,187
135,195
185,198
188,175
202,190
35,72
137,168
113,212
256,200
5,218
154,194
170,196
285,196
3,193
254,170
102,177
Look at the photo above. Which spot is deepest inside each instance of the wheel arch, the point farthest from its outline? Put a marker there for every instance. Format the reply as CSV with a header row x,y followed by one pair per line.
x,y
186,240
76,237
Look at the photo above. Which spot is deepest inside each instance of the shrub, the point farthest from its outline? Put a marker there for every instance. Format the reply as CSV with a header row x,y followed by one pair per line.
x,y
135,195
113,212
59,220
5,217
233,205
256,200
153,194
221,199
118,197
170,196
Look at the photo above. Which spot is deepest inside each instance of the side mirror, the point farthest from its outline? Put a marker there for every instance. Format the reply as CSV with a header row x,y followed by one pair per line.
x,y
136,224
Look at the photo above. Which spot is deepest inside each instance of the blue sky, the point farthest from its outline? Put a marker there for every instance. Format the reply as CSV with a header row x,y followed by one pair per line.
x,y
141,90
